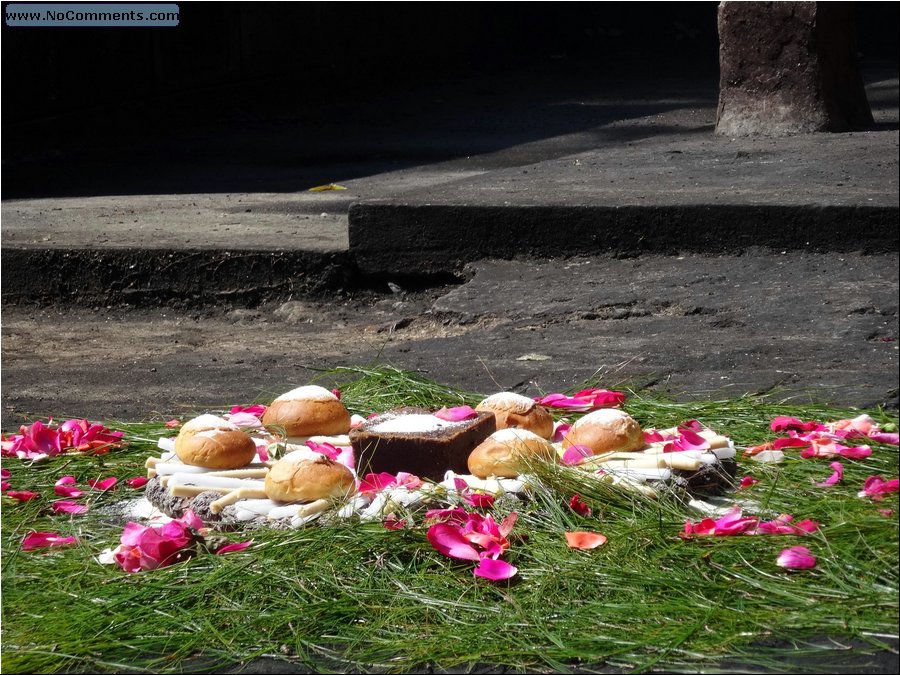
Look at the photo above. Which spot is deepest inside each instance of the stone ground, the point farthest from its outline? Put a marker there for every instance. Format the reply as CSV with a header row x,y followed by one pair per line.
x,y
808,326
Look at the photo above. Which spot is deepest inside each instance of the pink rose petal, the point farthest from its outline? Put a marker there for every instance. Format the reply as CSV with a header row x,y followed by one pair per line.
x,y
326,449
788,442
654,436
392,522
376,482
578,505
495,570
131,535
137,482
807,525
65,506
347,457
455,515
457,414
576,454
408,480
732,523
835,478
244,420
584,541
689,440
191,520
231,548
506,525
884,437
105,484
560,431
256,410
858,452
63,488
584,400
149,547
601,398
5,473
172,423
705,527
448,540
784,524
796,558
35,540
875,487
728,525
4,486
22,495
824,447
783,423
746,482
479,500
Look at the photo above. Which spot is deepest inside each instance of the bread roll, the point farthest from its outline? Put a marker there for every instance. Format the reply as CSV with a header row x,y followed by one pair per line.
x,y
502,453
516,411
304,476
307,411
214,443
606,430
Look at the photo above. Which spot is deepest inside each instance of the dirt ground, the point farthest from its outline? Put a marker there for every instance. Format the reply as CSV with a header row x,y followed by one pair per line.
x,y
806,326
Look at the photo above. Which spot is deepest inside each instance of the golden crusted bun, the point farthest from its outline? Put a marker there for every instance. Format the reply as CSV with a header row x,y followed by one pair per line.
x,y
214,443
501,453
308,411
304,476
516,411
606,430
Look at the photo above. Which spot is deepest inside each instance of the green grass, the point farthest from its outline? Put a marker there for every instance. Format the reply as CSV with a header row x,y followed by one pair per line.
x,y
357,596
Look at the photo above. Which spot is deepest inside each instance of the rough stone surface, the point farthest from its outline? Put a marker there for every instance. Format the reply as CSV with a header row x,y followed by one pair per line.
x,y
787,68
807,326
563,161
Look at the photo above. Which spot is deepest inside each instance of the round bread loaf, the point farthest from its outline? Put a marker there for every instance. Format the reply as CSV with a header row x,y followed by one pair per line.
x,y
502,453
606,430
304,476
308,411
214,443
513,410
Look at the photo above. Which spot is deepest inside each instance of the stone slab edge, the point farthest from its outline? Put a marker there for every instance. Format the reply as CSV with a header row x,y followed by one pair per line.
x,y
166,277
388,238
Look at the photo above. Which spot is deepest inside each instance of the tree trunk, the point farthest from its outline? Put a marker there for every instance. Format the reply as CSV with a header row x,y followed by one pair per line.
x,y
789,68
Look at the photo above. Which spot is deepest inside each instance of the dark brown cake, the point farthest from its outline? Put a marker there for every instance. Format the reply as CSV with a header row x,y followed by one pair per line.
x,y
413,440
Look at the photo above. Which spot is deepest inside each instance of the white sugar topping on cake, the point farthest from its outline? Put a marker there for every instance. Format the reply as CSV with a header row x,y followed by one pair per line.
x,y
509,400
412,424
602,416
208,421
513,434
301,454
309,392
212,433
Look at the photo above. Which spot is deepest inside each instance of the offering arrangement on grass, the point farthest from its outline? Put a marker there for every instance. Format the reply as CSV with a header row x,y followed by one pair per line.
x,y
305,455
403,522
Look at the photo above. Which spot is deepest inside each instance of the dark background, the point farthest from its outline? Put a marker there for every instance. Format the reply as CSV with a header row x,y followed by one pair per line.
x,y
66,87
223,52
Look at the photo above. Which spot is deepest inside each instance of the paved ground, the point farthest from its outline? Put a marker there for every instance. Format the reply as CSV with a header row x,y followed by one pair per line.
x,y
820,326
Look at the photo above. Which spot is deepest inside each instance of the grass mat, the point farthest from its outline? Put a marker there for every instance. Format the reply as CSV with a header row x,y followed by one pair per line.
x,y
356,596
